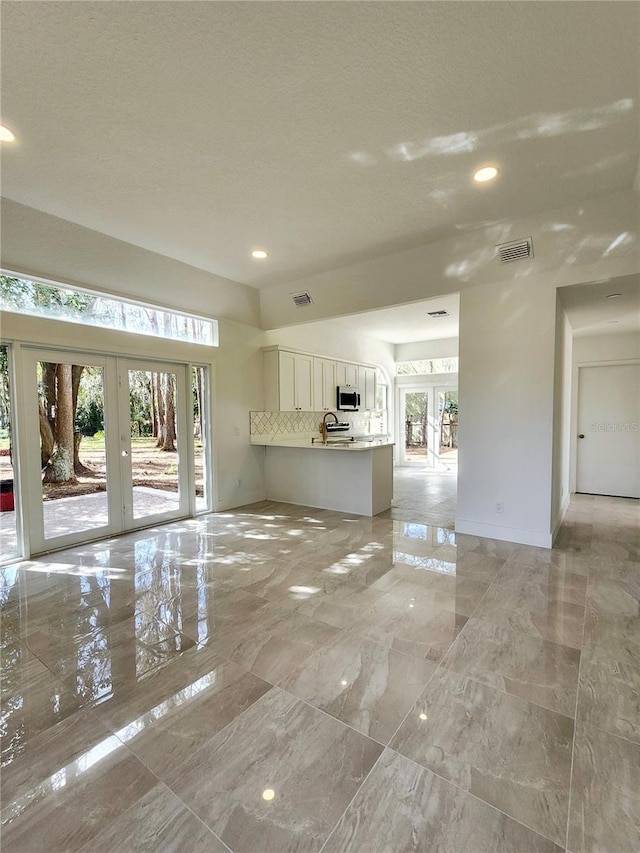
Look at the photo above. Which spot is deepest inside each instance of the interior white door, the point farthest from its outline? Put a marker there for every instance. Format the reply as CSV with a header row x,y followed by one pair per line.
x,y
608,459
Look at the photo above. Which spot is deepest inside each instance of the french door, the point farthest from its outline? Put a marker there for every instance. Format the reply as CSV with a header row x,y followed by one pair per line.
x,y
108,445
428,427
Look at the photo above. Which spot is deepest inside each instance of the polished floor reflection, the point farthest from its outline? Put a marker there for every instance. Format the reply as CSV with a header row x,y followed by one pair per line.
x,y
276,678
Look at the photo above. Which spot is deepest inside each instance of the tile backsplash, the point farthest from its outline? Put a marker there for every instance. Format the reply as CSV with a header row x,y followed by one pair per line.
x,y
307,423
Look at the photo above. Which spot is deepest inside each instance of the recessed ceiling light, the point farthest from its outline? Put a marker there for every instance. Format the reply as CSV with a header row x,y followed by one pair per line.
x,y
268,794
259,254
613,295
487,173
6,135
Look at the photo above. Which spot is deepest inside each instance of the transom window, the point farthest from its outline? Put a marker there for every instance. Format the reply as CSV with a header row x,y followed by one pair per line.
x,y
76,305
428,365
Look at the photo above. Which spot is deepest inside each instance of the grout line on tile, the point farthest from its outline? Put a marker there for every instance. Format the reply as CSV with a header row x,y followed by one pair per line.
x,y
358,789
474,796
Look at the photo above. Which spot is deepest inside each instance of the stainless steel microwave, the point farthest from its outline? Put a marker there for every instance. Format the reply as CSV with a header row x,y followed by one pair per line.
x,y
348,398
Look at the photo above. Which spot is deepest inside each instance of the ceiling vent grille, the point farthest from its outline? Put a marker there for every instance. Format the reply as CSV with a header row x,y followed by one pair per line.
x,y
301,299
517,250
438,313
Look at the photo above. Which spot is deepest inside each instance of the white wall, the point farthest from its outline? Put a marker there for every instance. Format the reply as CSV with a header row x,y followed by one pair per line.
x,y
561,418
333,340
37,244
422,350
603,348
571,245
507,336
238,390
592,350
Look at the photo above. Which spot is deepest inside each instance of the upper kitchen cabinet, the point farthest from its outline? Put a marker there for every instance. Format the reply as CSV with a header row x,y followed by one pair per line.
x,y
304,382
325,384
288,381
346,374
367,386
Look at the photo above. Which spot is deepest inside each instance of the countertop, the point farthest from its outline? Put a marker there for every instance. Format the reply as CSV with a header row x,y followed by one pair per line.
x,y
334,443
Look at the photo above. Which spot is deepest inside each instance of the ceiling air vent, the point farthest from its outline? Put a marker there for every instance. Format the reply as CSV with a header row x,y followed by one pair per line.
x,y
438,313
301,299
517,250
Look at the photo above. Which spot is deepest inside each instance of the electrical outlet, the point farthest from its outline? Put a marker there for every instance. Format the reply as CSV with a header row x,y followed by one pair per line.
x,y
499,507
236,430
238,483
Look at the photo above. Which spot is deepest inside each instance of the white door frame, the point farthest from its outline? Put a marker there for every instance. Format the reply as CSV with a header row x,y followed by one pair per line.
x,y
184,443
30,358
575,376
578,426
117,439
429,384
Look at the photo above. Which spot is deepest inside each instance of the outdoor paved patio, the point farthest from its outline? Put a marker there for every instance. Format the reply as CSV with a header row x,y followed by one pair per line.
x,y
84,512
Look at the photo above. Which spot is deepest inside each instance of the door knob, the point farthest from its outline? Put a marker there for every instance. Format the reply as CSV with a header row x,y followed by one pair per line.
x,y
581,435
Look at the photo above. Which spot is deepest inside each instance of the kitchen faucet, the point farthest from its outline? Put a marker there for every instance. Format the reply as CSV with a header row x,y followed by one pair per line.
x,y
323,425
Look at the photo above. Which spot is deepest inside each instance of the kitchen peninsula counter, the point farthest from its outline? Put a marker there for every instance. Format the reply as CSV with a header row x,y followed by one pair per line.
x,y
342,475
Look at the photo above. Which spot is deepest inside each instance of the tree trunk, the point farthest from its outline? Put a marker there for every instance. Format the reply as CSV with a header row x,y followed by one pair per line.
x,y
161,409
46,436
49,390
169,443
60,467
76,376
199,396
154,408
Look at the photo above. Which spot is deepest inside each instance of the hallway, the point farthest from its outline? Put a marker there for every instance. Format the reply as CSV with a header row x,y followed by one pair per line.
x,y
275,678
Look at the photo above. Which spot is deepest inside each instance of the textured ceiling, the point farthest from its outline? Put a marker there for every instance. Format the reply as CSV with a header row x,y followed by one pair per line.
x,y
325,132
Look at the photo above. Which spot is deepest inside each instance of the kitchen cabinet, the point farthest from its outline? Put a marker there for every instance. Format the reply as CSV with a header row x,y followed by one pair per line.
x,y
288,381
353,481
325,384
367,385
346,374
304,382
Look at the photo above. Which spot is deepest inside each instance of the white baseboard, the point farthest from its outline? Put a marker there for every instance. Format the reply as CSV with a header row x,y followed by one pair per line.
x,y
537,538
241,499
563,511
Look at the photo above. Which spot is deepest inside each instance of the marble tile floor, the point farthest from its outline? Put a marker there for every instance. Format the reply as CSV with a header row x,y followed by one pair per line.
x,y
275,678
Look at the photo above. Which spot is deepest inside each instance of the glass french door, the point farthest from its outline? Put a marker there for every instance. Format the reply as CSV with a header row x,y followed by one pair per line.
x,y
447,399
428,426
153,442
415,409
107,446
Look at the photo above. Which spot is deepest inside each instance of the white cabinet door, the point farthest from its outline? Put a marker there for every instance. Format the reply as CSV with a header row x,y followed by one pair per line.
x,y
295,382
303,372
325,383
367,381
346,374
287,381
351,375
